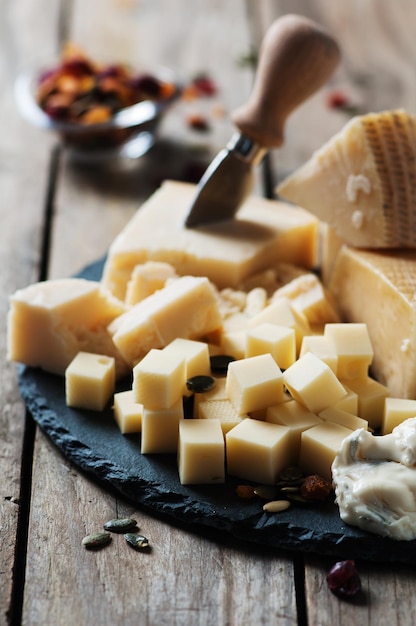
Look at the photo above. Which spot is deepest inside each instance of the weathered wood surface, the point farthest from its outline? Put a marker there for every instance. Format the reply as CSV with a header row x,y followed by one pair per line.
x,y
187,578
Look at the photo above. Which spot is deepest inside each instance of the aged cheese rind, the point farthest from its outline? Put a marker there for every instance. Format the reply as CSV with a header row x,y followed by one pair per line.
x,y
378,289
362,181
51,321
264,232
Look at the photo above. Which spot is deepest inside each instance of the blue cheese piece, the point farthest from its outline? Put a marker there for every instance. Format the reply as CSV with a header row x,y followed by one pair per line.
x,y
375,481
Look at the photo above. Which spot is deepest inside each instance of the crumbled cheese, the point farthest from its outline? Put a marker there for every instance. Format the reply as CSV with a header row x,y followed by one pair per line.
x,y
357,219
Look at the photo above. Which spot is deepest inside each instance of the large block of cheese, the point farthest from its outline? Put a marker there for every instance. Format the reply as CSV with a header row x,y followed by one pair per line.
x,y
49,322
378,289
185,308
361,182
263,233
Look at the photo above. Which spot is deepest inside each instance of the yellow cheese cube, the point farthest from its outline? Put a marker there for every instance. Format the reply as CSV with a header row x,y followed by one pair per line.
x,y
222,410
313,383
318,448
353,347
297,418
257,451
158,379
160,429
201,456
349,403
196,355
322,347
89,381
279,341
234,344
51,321
187,307
254,383
371,398
396,411
282,312
263,232
219,392
338,416
127,412
147,278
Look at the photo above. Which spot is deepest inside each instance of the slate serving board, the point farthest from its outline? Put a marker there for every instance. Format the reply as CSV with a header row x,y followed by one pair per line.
x,y
93,442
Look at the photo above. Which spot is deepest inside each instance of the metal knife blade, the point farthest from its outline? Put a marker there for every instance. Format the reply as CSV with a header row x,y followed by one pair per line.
x,y
226,183
297,56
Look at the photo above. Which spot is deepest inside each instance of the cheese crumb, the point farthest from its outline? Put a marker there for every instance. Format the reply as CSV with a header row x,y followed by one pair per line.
x,y
356,183
405,345
357,219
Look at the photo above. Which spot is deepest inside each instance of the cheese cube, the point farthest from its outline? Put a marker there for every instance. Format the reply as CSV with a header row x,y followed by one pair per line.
x,y
160,429
196,355
158,379
221,410
322,347
49,322
297,418
282,312
371,398
279,341
263,232
147,278
219,392
311,382
318,448
257,451
127,412
348,403
234,343
187,307
353,347
338,416
201,456
89,381
396,411
254,383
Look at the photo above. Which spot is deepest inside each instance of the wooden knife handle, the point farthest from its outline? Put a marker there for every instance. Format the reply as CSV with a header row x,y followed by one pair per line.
x,y
296,58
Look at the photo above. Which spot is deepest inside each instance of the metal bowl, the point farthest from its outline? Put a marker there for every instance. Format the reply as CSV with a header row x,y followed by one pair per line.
x,y
130,132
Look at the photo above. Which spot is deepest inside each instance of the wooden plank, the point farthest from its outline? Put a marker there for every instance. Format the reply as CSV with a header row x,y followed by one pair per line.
x,y
187,579
27,34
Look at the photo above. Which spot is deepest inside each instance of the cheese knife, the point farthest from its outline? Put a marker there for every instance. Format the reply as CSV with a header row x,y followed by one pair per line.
x,y
297,56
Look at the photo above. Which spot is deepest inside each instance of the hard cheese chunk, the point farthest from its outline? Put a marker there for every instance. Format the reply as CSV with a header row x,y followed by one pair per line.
x,y
50,322
254,383
257,451
263,233
201,456
361,181
89,381
378,289
353,348
127,412
160,429
319,446
185,308
158,379
396,411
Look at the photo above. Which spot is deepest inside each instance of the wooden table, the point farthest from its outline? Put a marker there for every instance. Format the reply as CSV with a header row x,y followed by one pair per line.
x,y
57,215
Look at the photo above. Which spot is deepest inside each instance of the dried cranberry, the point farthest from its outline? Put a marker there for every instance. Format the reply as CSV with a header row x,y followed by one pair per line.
x,y
343,579
337,100
147,85
77,67
204,85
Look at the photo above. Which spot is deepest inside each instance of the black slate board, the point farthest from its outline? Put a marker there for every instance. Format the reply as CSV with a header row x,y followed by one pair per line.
x,y
93,442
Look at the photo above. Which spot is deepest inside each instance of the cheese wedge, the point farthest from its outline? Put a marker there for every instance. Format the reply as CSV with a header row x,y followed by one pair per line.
x,y
51,321
361,181
263,232
378,289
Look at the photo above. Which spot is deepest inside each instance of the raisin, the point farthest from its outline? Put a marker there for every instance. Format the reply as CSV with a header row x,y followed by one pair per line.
x,y
315,487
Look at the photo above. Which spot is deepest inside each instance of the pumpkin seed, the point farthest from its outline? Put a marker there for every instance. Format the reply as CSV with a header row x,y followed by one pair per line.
x,y
120,525
276,506
290,475
96,541
137,541
266,492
